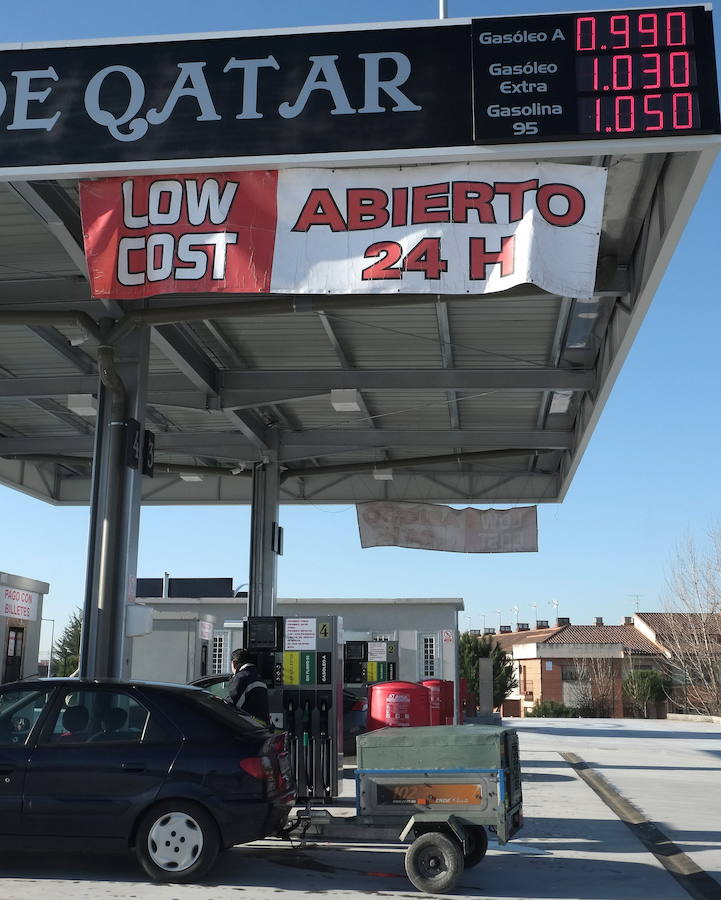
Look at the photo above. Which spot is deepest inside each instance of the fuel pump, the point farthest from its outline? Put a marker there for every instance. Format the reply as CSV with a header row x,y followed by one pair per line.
x,y
301,660
368,662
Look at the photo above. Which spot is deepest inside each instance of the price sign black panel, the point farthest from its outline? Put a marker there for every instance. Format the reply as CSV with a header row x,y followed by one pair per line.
x,y
580,76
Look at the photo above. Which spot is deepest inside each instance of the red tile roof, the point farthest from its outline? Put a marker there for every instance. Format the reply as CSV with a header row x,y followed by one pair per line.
x,y
627,636
677,626
537,636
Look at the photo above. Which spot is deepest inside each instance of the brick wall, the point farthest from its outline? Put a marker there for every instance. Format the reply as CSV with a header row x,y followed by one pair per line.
x,y
551,683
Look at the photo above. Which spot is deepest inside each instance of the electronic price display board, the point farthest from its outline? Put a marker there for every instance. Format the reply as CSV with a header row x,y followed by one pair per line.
x,y
593,75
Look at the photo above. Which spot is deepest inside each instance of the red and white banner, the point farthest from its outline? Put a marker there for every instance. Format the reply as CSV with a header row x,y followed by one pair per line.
x,y
456,229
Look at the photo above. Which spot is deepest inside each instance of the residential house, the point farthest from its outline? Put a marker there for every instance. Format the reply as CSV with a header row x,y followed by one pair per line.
x,y
582,666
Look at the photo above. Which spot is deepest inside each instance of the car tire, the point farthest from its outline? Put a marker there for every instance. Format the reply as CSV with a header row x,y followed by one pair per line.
x,y
434,863
177,841
478,846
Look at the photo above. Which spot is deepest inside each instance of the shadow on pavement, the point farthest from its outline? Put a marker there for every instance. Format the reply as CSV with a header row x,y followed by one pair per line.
x,y
598,728
327,869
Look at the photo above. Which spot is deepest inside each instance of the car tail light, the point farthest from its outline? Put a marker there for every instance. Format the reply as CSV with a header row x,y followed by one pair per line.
x,y
361,705
261,768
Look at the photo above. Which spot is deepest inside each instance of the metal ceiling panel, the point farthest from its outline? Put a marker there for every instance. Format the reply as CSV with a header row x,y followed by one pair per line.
x,y
195,386
271,343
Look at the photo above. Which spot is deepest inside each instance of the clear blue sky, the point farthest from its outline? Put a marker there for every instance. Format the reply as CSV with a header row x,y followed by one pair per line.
x,y
648,478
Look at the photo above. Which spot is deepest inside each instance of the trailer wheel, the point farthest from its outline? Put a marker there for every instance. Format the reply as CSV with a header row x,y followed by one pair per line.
x,y
479,845
434,863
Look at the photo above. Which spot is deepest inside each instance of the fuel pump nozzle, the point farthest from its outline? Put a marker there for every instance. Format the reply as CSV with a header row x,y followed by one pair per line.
x,y
308,747
291,706
325,748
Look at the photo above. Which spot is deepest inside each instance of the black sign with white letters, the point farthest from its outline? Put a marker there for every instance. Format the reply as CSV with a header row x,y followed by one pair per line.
x,y
236,96
571,76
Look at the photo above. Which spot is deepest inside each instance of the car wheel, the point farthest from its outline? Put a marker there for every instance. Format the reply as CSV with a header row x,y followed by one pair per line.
x,y
178,841
434,863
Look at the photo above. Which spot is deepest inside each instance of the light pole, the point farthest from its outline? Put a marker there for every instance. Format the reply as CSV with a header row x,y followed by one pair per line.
x,y
499,620
52,641
514,610
554,604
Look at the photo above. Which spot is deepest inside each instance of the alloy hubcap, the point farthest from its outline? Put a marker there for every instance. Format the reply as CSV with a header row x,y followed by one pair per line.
x,y
175,841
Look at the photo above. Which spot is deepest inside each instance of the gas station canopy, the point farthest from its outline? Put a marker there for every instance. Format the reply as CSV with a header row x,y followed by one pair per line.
x,y
439,397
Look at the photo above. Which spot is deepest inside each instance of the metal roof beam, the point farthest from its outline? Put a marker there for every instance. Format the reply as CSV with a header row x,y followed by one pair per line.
x,y
51,289
265,387
408,463
322,442
50,203
225,344
230,351
250,428
320,381
310,443
343,359
187,356
57,340
444,332
62,414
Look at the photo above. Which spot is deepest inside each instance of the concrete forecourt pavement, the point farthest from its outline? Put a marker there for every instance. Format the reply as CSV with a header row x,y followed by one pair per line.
x,y
662,777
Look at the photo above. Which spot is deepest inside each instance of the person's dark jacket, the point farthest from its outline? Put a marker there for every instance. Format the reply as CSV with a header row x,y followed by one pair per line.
x,y
249,693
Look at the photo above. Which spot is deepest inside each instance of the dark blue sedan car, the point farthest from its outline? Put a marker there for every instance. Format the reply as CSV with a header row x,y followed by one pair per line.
x,y
166,770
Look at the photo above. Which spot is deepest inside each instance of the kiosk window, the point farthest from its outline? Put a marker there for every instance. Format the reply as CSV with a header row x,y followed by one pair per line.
x,y
428,661
220,663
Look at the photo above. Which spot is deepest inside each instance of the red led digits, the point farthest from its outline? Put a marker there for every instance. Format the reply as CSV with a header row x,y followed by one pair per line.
x,y
653,112
637,73
622,73
620,29
651,71
680,69
600,33
638,113
648,28
682,111
676,29
586,33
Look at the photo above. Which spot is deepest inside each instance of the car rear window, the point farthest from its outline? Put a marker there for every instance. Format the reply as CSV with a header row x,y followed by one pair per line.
x,y
228,715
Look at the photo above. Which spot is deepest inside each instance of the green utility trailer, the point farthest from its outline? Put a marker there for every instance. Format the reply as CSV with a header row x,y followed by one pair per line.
x,y
441,789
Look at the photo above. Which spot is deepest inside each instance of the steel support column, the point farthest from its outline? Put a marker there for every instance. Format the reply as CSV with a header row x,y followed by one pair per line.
x,y
89,633
115,517
264,537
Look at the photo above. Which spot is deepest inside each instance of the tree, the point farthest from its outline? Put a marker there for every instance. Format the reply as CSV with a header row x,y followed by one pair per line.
x,y
594,687
691,632
469,652
471,648
644,686
66,653
553,709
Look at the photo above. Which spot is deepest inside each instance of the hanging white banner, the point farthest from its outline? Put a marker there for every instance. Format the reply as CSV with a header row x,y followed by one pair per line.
x,y
450,229
430,526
